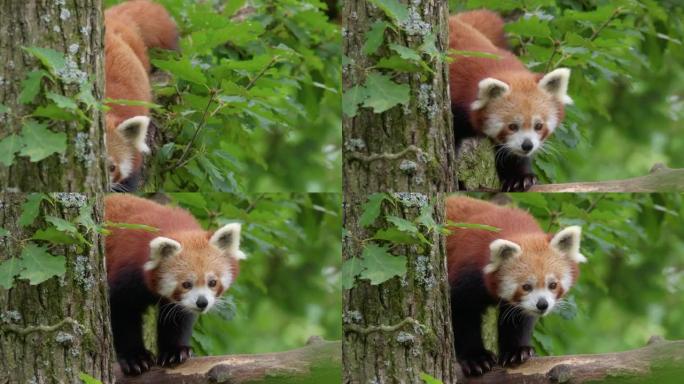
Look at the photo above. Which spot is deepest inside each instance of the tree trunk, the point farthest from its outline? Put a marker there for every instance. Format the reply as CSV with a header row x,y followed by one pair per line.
x,y
318,362
53,331
398,329
74,28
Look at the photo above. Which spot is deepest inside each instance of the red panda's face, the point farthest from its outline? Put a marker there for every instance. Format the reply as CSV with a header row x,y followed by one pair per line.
x,y
125,142
534,273
521,115
194,269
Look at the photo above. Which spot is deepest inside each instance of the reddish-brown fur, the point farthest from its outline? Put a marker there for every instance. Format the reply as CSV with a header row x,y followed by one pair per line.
x,y
130,247
470,247
482,31
131,29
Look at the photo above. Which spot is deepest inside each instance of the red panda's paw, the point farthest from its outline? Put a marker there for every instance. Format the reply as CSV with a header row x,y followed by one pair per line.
x,y
477,363
515,356
174,355
519,183
136,363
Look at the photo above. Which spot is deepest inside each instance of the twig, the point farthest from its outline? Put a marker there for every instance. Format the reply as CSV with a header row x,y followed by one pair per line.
x,y
612,17
384,156
201,125
263,71
23,331
382,328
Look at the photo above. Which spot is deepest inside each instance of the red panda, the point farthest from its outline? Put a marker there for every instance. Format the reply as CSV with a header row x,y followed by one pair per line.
x,y
521,269
182,269
131,28
500,98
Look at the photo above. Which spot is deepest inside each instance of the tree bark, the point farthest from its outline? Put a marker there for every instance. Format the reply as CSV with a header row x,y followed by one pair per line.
x,y
318,362
659,362
53,331
73,27
398,329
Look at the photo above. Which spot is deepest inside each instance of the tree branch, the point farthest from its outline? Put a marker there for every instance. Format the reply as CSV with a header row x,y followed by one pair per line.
x,y
660,179
319,361
660,361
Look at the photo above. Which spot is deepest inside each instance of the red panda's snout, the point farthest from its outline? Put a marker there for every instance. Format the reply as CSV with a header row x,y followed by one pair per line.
x,y
192,268
534,272
521,113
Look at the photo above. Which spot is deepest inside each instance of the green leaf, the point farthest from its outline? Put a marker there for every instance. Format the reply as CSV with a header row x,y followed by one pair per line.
x,y
137,103
61,224
350,269
182,69
426,378
371,209
532,26
54,61
402,224
406,52
62,101
30,209
395,236
4,232
8,269
40,142
485,55
3,109
8,147
473,226
425,218
53,112
352,98
52,235
374,37
143,227
30,86
393,8
87,379
429,45
383,93
395,62
40,264
380,266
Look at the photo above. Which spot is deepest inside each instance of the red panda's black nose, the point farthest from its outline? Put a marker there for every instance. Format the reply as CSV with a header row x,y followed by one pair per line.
x,y
202,302
542,304
527,145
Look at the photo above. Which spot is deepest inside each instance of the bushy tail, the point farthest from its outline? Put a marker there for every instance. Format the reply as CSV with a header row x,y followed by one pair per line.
x,y
157,28
489,23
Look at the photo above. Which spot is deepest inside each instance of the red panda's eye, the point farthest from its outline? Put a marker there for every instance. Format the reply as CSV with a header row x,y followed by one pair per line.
x,y
527,287
513,127
553,285
112,168
187,285
538,126
212,283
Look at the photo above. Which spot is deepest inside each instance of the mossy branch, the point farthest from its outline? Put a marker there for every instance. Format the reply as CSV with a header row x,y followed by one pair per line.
x,y
23,331
382,328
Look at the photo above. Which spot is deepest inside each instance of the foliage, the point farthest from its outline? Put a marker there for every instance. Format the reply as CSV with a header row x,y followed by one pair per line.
x,y
632,287
35,263
253,103
626,59
288,289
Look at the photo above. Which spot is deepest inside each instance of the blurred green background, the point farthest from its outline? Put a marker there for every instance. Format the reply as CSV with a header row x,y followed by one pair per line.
x,y
627,62
632,287
289,287
252,103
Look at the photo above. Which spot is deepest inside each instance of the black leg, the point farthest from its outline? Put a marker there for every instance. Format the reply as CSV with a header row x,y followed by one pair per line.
x,y
515,335
469,300
174,328
515,172
133,358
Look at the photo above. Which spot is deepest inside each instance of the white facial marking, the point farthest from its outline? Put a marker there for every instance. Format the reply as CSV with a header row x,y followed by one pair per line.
x,y
515,141
566,281
226,279
529,301
493,126
189,300
126,167
552,122
167,285
507,288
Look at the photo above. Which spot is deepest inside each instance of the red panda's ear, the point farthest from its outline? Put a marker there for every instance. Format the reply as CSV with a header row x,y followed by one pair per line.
x,y
487,90
500,251
160,249
134,132
567,242
556,83
227,239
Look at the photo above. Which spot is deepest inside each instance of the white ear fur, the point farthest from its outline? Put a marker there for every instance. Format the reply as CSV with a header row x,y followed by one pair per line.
x,y
556,83
134,131
488,89
500,250
567,242
160,248
227,239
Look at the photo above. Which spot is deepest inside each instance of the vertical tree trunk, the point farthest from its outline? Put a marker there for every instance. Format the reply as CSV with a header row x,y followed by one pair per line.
x,y
398,329
74,28
53,331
